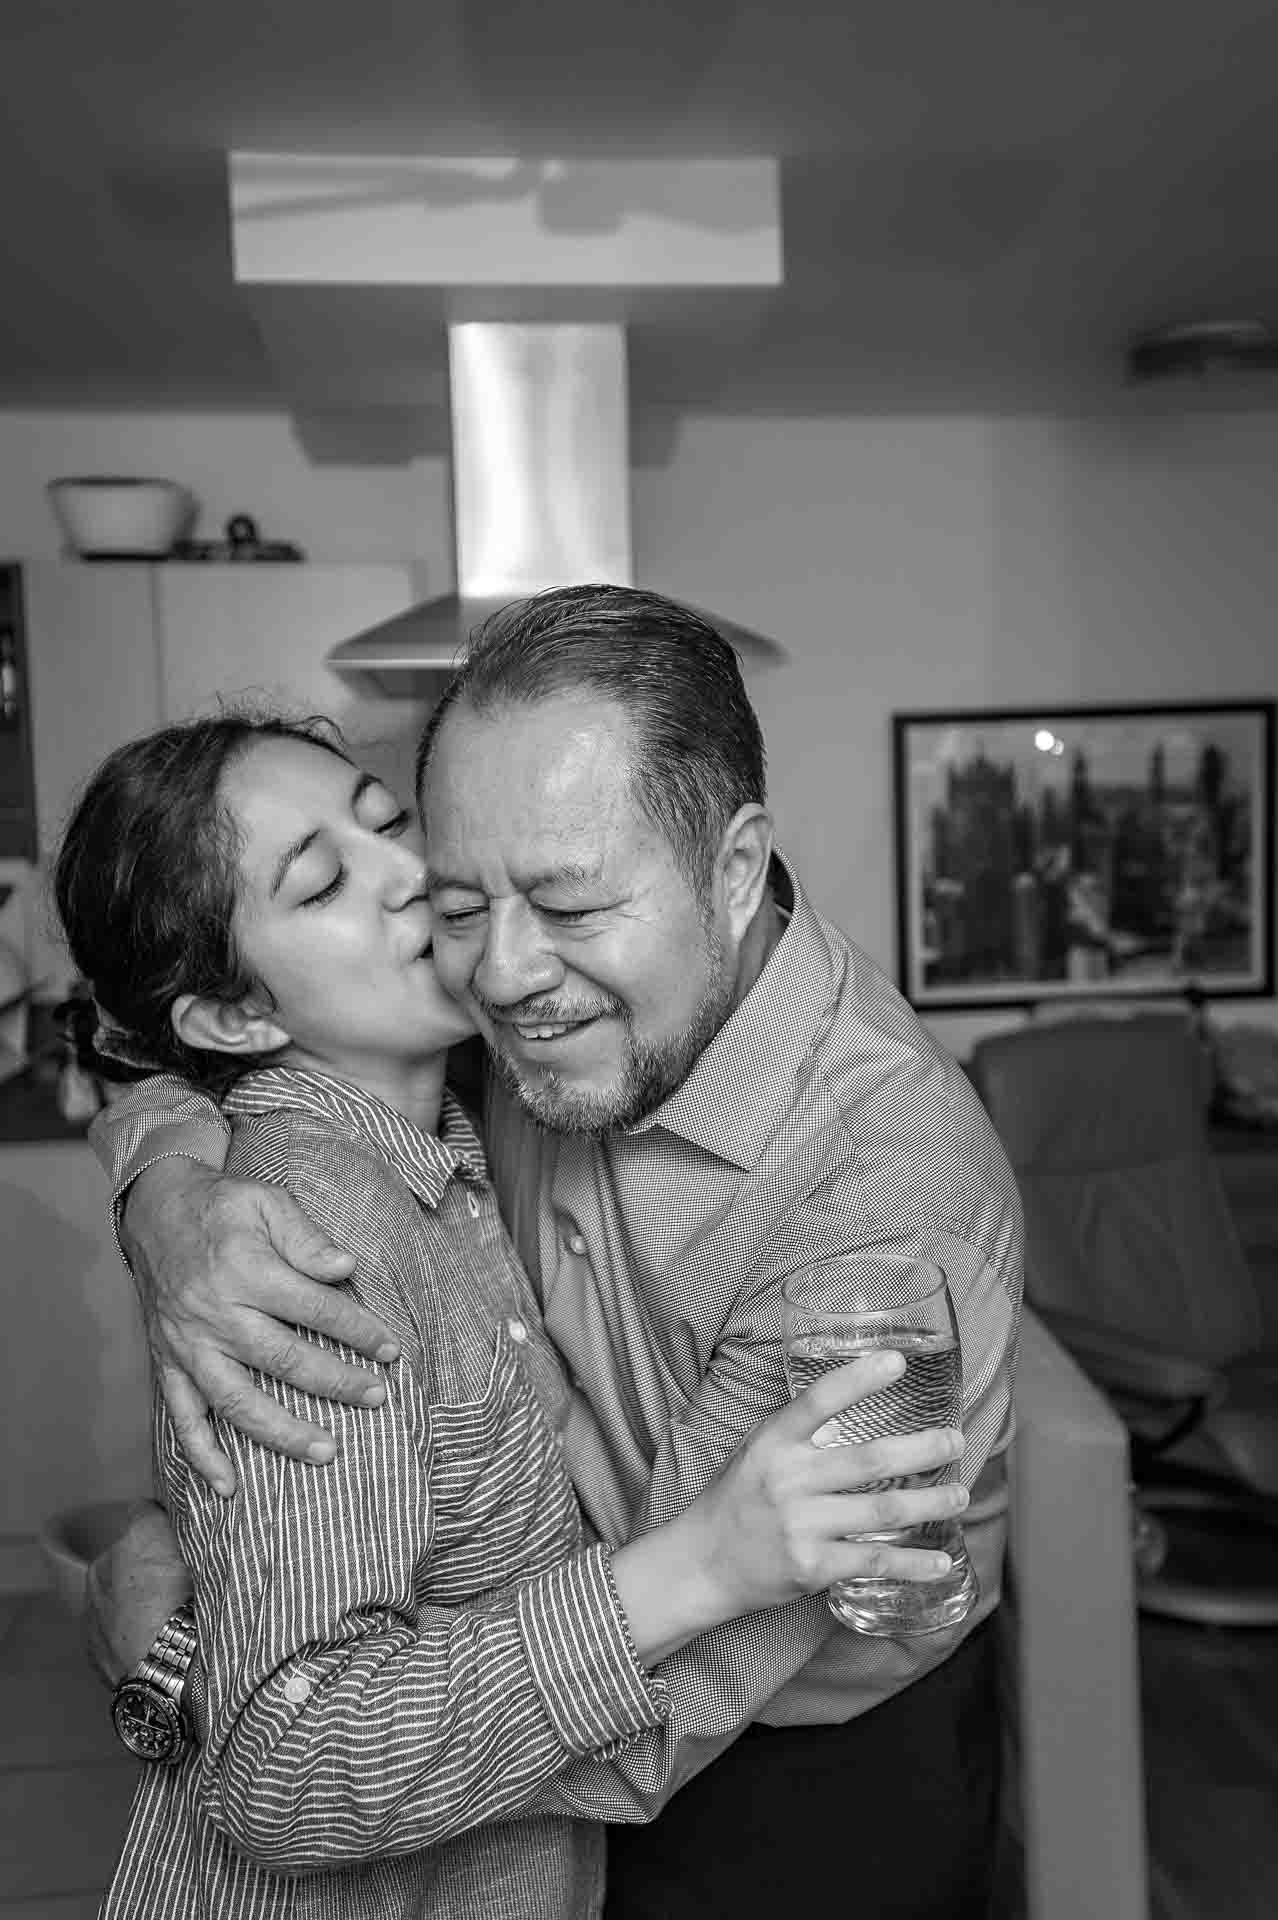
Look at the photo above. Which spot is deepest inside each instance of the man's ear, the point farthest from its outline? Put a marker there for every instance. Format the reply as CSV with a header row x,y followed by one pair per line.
x,y
224,1026
745,854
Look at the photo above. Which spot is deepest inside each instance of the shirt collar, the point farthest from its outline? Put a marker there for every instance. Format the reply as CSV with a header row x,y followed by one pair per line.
x,y
426,1161
732,1101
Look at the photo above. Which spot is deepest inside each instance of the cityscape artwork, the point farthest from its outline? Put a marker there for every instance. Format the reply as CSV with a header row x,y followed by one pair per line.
x,y
1084,852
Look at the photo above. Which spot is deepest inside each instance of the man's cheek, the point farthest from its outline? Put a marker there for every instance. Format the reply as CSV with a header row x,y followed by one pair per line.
x,y
452,964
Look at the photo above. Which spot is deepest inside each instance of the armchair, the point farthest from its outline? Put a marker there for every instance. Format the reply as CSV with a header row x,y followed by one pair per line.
x,y
1133,1260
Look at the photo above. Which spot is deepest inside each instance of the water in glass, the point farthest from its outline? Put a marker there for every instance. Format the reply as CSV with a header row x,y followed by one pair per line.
x,y
836,1311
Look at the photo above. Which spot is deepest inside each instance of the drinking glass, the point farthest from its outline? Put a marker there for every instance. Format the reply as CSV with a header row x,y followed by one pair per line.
x,y
834,1311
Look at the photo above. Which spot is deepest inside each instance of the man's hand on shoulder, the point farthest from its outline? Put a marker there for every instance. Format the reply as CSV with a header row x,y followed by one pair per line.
x,y
226,1271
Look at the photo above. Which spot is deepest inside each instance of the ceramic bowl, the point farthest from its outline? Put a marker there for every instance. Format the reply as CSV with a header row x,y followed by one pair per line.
x,y
106,517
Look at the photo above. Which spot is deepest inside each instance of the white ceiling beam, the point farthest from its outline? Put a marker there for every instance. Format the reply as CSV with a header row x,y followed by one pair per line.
x,y
318,219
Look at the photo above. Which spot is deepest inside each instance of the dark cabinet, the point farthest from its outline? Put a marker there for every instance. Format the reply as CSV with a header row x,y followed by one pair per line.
x,y
17,779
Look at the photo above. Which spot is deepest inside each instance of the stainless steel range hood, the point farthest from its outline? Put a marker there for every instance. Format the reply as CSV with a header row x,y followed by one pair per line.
x,y
541,494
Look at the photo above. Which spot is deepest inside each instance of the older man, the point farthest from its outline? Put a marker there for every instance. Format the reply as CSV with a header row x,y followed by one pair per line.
x,y
700,1085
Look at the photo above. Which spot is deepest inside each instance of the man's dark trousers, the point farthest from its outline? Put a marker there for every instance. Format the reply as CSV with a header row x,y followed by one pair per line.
x,y
893,1815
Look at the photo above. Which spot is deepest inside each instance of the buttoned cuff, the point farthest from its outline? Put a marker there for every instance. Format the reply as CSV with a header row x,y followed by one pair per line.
x,y
595,1689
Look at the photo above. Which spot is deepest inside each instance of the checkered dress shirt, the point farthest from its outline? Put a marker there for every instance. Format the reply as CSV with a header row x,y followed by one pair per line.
x,y
406,1644
822,1119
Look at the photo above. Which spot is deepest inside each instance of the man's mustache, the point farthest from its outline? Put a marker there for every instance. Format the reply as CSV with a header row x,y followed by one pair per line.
x,y
546,1013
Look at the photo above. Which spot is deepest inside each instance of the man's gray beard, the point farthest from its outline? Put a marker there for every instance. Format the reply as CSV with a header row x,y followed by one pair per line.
x,y
650,1073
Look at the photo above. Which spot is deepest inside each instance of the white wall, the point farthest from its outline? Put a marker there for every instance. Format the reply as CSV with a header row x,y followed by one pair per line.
x,y
928,563
905,563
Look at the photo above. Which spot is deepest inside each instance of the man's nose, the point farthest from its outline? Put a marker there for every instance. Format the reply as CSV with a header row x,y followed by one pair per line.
x,y
518,959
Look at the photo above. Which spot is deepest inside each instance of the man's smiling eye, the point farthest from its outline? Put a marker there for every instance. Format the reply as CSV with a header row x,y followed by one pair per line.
x,y
566,916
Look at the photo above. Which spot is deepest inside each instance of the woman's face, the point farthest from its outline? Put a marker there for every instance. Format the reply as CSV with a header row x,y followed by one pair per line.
x,y
331,915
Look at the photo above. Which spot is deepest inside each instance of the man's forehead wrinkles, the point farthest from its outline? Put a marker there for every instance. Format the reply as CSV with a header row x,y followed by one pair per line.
x,y
573,872
526,879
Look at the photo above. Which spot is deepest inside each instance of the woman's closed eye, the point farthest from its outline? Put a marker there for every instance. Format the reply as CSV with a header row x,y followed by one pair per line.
x,y
326,893
398,823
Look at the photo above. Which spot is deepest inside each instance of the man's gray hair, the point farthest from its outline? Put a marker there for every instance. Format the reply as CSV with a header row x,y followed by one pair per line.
x,y
700,754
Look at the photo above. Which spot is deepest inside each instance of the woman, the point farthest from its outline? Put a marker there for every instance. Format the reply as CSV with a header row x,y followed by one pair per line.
x,y
402,1648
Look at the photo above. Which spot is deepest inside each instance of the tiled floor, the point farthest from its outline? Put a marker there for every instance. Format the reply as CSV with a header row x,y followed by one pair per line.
x,y
1211,1758
1210,1718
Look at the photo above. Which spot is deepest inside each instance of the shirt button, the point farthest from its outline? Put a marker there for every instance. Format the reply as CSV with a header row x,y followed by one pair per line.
x,y
297,1690
473,1204
575,1242
517,1331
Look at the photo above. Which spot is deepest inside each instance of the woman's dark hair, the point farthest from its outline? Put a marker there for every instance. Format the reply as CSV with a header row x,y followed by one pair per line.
x,y
700,754
145,884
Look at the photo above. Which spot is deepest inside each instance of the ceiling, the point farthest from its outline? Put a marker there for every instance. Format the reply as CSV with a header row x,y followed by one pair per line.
x,y
981,200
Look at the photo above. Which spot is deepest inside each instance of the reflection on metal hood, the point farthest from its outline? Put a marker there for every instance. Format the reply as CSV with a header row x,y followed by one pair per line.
x,y
541,494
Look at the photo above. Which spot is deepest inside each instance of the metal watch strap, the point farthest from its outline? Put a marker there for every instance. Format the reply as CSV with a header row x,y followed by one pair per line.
x,y
147,1709
167,1660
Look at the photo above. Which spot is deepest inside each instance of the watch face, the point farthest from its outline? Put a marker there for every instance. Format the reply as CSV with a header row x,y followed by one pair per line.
x,y
147,1721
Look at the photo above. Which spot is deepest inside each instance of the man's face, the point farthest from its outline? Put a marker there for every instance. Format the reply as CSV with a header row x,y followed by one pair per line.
x,y
561,919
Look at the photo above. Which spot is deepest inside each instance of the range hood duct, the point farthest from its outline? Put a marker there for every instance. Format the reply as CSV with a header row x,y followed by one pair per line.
x,y
541,495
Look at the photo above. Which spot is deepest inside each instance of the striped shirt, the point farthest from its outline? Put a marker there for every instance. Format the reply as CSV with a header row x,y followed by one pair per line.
x,y
407,1643
822,1119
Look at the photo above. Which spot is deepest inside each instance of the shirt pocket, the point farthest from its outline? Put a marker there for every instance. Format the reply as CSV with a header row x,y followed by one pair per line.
x,y
504,1505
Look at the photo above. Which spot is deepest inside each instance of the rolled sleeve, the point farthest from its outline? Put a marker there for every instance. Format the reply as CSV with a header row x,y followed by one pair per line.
x,y
595,1690
340,1723
158,1119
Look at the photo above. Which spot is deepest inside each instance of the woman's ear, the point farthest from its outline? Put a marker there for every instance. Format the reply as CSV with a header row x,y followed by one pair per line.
x,y
224,1026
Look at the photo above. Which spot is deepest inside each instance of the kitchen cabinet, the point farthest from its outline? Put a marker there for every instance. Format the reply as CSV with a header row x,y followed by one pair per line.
x,y
266,631
115,649
93,658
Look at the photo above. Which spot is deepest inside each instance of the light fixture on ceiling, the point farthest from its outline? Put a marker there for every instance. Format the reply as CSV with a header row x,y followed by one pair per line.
x,y
1199,346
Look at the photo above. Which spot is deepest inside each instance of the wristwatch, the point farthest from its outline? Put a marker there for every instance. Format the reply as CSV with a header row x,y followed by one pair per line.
x,y
147,1705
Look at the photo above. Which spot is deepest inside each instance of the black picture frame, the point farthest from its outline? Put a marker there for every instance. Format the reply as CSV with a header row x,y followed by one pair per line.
x,y
1074,853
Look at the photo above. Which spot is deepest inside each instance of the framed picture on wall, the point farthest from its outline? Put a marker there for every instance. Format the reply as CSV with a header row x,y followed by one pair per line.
x,y
1074,852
